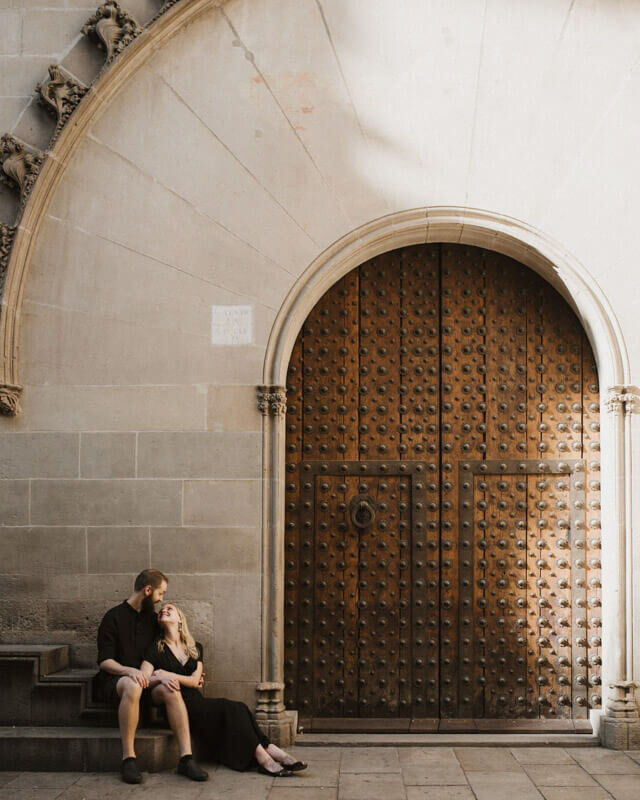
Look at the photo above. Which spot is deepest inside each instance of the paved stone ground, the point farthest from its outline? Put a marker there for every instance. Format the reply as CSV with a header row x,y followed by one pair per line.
x,y
372,773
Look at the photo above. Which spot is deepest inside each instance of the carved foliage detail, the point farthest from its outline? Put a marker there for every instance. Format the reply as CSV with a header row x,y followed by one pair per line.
x,y
7,233
20,166
60,95
9,399
112,28
272,400
623,400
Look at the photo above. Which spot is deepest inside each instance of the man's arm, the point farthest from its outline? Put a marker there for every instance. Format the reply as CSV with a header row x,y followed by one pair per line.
x,y
111,666
108,636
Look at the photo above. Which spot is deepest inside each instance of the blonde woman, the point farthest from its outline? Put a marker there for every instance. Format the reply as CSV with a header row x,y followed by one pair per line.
x,y
174,664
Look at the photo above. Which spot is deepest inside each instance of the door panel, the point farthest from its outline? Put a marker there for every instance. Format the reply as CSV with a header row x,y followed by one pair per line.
x,y
442,500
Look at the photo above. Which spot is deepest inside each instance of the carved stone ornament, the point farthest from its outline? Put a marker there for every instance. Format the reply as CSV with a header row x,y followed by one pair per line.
x,y
622,703
20,165
60,95
112,28
623,400
7,234
9,399
272,400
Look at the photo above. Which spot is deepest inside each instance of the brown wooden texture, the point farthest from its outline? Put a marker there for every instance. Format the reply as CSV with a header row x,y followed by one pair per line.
x,y
442,536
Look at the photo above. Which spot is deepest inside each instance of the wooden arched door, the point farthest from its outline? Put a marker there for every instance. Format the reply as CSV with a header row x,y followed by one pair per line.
x,y
442,525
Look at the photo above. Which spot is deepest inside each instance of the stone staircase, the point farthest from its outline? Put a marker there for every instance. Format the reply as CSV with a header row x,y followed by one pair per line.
x,y
50,722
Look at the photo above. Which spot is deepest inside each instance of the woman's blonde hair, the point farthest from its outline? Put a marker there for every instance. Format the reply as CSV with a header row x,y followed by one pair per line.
x,y
183,632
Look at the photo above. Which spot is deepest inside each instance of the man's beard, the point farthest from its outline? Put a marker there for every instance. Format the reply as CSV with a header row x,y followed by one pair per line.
x,y
147,604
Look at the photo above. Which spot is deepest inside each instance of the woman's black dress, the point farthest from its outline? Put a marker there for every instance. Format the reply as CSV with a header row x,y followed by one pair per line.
x,y
227,728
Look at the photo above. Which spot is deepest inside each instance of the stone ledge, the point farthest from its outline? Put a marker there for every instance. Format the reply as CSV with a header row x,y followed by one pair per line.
x,y
447,740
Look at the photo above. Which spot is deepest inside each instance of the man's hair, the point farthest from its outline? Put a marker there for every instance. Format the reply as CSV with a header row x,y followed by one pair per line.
x,y
149,577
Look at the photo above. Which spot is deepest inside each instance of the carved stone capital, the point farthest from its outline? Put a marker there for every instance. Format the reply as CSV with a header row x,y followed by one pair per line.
x,y
623,400
112,28
272,716
272,400
60,95
621,702
20,165
10,399
7,235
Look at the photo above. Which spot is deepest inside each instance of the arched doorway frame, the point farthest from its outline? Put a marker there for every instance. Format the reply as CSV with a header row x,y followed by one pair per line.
x,y
618,400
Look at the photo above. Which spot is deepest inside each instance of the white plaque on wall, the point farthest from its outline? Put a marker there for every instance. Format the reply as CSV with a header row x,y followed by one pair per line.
x,y
231,325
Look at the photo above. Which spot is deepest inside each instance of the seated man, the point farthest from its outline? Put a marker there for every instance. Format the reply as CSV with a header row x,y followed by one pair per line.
x,y
125,632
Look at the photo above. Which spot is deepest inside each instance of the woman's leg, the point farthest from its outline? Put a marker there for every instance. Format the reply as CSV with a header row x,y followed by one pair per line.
x,y
177,715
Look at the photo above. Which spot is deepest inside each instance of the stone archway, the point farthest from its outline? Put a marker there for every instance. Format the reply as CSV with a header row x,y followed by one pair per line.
x,y
517,240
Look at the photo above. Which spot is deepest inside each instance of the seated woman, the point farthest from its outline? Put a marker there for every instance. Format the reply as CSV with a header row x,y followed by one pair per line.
x,y
174,664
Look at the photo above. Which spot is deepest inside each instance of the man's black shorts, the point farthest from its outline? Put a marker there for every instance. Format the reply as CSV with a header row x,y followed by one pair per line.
x,y
105,691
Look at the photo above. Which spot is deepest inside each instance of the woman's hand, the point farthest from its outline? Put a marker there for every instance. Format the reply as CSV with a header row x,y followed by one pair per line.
x,y
167,679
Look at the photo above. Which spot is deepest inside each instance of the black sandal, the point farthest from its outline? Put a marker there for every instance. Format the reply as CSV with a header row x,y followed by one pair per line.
x,y
297,766
283,772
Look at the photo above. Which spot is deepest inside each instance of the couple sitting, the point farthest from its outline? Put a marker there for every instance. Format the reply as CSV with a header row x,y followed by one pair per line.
x,y
146,656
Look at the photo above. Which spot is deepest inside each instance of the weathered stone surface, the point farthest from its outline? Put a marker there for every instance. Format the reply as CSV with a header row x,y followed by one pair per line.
x,y
198,550
230,502
20,617
42,551
115,550
39,455
232,408
237,647
102,502
14,502
199,455
113,408
108,455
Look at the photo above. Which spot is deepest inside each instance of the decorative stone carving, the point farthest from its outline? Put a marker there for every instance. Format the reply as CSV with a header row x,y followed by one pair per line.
x,y
112,28
623,400
622,703
7,233
620,725
20,165
9,399
272,716
60,95
272,400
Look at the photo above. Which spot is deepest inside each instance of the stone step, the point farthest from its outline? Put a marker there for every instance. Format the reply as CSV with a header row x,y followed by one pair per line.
x,y
46,658
82,749
447,740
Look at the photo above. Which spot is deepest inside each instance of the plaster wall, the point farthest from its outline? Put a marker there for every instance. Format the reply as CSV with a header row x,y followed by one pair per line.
x,y
261,134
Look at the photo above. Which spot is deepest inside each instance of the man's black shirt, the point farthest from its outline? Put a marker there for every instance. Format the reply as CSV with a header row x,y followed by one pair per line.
x,y
124,634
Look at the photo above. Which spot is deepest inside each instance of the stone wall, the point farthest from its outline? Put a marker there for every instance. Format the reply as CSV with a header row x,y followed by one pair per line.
x,y
261,134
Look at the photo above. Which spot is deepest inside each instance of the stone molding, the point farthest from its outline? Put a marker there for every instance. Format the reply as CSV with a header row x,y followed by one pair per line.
x,y
7,232
272,400
623,400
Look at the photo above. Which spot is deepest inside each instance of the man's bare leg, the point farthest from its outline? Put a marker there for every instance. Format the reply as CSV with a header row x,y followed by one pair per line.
x,y
128,714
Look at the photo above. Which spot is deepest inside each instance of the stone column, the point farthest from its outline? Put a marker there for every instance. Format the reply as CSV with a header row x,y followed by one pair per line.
x,y
278,724
620,724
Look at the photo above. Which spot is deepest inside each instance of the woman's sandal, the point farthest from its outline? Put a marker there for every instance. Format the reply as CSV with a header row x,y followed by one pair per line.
x,y
297,766
283,772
